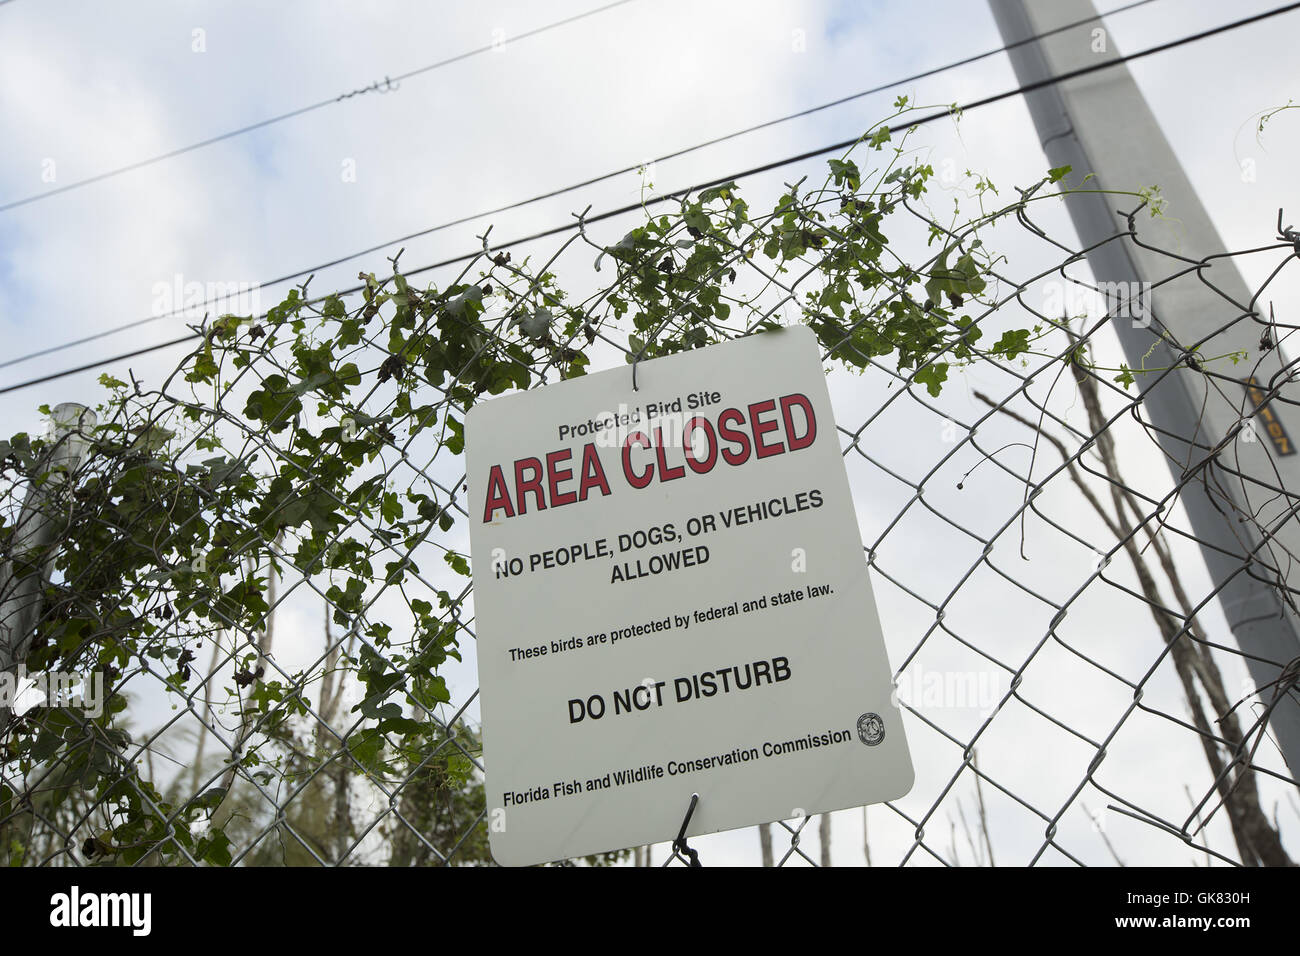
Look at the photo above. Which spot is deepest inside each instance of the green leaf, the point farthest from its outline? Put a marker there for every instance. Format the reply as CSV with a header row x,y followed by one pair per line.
x,y
845,173
536,325
1013,343
932,376
205,367
455,440
367,746
333,308
723,191
962,278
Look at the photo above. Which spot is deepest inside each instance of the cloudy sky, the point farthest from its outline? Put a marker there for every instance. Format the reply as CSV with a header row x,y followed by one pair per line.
x,y
87,88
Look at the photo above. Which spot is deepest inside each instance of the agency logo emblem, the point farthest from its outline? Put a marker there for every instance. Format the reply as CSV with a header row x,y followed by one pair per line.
x,y
871,729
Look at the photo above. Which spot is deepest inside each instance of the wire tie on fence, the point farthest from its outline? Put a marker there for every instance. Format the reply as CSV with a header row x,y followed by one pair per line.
x,y
679,845
1287,234
582,220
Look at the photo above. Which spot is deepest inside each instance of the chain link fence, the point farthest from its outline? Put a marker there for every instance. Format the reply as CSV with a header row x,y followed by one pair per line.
x,y
271,671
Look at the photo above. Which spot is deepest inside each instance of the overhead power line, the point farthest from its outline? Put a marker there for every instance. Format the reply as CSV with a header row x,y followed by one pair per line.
x,y
753,170
289,277
271,120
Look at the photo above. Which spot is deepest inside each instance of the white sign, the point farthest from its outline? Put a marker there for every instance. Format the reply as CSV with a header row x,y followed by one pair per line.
x,y
671,597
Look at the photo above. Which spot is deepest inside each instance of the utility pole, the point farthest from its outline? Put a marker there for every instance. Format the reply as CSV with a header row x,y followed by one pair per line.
x,y
32,546
1100,124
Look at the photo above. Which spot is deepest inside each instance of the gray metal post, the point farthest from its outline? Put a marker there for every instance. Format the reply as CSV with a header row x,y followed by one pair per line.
x,y
1101,124
20,595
